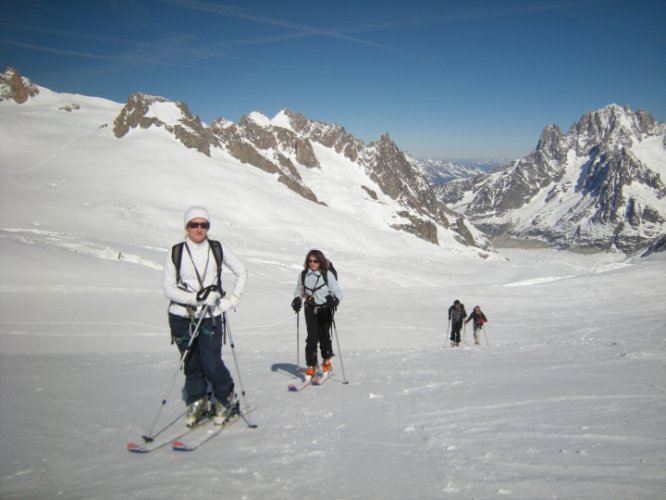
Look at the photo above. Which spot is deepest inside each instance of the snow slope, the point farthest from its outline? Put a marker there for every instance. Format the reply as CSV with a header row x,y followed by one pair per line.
x,y
566,399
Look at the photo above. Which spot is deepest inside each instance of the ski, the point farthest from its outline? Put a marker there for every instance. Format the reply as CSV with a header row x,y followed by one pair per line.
x,y
318,379
307,383
322,378
194,441
150,445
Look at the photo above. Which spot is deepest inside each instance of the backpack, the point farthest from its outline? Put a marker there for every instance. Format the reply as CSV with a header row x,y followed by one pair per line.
x,y
323,275
458,315
177,257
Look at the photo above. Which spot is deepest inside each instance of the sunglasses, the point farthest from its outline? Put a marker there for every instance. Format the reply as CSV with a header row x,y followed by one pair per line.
x,y
202,225
315,261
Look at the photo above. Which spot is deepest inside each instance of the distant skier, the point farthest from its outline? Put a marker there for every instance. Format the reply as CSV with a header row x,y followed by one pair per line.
x,y
318,287
479,319
457,315
197,268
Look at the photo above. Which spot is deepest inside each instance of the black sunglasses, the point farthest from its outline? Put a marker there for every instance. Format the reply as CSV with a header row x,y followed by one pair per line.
x,y
202,225
313,260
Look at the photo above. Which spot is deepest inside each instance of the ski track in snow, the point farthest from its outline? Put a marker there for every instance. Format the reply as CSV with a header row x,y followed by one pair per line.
x,y
74,243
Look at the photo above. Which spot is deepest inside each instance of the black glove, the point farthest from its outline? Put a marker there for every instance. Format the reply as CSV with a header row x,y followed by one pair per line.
x,y
296,304
332,301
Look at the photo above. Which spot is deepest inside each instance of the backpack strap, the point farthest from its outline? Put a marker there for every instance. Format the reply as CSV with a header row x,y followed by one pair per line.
x,y
177,257
324,275
303,273
216,246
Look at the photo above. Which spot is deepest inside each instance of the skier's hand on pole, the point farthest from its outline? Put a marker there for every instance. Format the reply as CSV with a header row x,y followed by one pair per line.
x,y
208,296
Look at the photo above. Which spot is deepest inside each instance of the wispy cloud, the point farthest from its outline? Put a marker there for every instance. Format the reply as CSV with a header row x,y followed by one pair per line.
x,y
88,55
160,52
298,30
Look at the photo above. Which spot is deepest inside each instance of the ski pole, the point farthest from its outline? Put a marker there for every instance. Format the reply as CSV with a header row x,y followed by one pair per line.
x,y
298,339
464,335
195,333
448,328
165,427
337,341
227,327
483,327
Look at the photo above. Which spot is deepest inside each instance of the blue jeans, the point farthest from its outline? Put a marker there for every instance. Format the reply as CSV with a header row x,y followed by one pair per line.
x,y
203,363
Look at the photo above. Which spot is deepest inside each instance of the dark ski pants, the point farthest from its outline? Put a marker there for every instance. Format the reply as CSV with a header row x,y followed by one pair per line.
x,y
318,322
203,364
456,326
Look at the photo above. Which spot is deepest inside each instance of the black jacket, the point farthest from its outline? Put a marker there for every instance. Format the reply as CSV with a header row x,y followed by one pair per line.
x,y
457,315
478,317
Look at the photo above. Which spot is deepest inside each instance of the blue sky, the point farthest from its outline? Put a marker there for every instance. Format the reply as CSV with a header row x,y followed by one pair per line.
x,y
445,79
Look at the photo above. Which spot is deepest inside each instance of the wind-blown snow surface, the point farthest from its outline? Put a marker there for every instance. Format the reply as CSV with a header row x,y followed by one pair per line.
x,y
566,400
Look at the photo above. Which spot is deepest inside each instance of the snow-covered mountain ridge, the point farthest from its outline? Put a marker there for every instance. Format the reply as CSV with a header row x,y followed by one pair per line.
x,y
384,187
599,186
374,186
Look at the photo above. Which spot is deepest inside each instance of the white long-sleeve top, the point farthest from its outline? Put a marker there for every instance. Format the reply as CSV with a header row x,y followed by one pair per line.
x,y
204,260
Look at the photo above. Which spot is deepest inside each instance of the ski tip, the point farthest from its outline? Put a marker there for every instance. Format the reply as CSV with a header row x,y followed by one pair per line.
x,y
135,448
180,446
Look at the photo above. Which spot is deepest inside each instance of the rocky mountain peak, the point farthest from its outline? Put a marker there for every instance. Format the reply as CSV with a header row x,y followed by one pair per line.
x,y
297,121
145,111
552,142
597,187
390,167
329,135
614,126
15,87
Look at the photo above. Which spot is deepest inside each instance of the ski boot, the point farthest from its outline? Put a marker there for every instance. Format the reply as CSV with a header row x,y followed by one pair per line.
x,y
224,410
195,411
310,372
327,367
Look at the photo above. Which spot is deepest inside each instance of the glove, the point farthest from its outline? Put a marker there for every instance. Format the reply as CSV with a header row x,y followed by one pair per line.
x,y
296,304
225,304
229,303
211,300
332,301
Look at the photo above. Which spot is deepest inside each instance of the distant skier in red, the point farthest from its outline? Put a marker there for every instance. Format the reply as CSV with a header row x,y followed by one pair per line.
x,y
479,319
